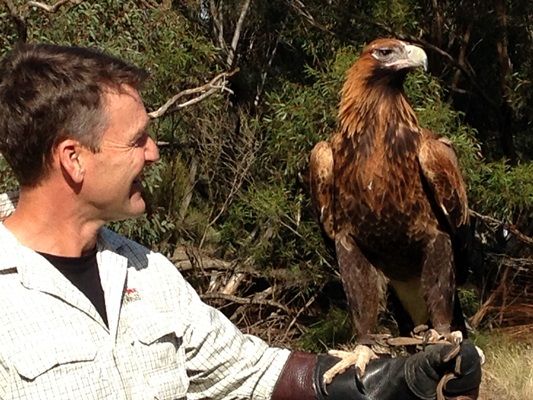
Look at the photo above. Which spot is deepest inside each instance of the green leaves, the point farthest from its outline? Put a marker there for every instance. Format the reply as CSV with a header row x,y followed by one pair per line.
x,y
503,191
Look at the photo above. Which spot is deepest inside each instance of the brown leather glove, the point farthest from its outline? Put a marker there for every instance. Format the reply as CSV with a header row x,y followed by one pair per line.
x,y
404,378
301,379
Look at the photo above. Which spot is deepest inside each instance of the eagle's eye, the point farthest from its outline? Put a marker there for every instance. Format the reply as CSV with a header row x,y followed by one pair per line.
x,y
384,52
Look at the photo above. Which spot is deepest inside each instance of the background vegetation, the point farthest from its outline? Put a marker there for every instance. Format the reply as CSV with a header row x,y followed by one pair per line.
x,y
229,200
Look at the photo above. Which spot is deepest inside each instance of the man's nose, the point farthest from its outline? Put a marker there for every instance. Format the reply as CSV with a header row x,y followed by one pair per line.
x,y
151,151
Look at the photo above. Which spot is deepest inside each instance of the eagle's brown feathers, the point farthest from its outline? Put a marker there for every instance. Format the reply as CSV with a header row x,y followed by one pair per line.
x,y
389,193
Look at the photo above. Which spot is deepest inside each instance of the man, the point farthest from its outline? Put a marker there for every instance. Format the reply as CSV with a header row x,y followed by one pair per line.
x,y
88,314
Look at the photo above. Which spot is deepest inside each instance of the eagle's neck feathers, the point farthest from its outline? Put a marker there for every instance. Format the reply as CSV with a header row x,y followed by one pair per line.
x,y
374,110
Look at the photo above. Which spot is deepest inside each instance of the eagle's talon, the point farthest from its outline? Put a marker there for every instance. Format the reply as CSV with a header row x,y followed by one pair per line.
x,y
455,337
419,329
358,358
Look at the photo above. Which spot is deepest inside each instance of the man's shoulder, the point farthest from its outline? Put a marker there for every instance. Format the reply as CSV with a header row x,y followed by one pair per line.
x,y
111,240
139,257
149,272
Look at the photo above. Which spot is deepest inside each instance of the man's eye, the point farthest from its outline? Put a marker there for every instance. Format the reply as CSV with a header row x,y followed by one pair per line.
x,y
141,141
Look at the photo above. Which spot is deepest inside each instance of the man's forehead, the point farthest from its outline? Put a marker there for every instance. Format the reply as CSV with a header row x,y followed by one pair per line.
x,y
123,91
126,109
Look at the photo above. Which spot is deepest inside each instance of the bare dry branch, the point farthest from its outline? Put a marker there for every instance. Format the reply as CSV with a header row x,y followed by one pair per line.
x,y
243,300
300,311
53,8
11,7
510,227
241,169
218,83
465,41
264,74
299,7
218,23
235,186
237,33
185,259
153,5
233,283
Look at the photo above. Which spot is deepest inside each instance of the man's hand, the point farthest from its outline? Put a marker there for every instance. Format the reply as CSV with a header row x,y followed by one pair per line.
x,y
424,375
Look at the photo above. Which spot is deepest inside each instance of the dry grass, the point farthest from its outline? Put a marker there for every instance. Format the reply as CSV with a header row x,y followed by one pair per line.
x,y
508,371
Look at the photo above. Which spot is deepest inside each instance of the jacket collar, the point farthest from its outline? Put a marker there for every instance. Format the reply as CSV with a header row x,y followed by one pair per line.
x,y
8,202
36,273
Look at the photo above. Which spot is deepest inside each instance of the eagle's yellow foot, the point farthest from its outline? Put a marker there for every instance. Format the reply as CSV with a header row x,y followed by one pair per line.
x,y
359,358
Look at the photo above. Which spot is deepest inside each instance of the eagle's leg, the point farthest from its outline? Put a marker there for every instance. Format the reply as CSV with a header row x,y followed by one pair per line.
x,y
363,284
438,287
438,282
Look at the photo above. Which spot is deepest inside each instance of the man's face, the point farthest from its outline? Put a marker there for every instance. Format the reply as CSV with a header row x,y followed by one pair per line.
x,y
112,184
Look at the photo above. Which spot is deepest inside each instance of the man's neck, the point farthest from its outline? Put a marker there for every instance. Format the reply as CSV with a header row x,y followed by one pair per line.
x,y
52,224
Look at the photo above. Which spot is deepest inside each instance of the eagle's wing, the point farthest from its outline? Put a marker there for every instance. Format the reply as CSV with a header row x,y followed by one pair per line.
x,y
441,170
321,185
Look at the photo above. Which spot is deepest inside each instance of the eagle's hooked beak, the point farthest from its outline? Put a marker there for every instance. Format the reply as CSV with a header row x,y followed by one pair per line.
x,y
411,57
416,57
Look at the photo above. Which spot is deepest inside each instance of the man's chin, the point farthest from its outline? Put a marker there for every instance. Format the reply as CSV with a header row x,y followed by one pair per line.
x,y
136,208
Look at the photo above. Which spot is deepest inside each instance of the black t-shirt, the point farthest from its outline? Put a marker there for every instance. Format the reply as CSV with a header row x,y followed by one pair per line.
x,y
83,273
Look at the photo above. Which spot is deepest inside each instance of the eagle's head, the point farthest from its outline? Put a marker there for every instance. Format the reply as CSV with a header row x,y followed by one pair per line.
x,y
375,83
392,55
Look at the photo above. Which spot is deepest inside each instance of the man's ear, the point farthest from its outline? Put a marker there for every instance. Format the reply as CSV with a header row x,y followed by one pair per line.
x,y
68,154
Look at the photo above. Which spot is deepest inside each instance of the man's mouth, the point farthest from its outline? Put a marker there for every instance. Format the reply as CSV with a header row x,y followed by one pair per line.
x,y
137,183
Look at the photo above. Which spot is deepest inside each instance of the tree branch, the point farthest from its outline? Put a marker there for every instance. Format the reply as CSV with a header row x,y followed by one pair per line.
x,y
218,83
237,33
242,300
243,164
53,8
264,74
510,227
299,7
216,13
465,40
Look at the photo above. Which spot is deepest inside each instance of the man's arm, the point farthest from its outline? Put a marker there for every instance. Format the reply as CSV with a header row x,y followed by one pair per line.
x,y
221,361
4,379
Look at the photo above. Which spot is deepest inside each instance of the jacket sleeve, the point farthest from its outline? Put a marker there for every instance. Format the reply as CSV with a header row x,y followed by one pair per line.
x,y
221,361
